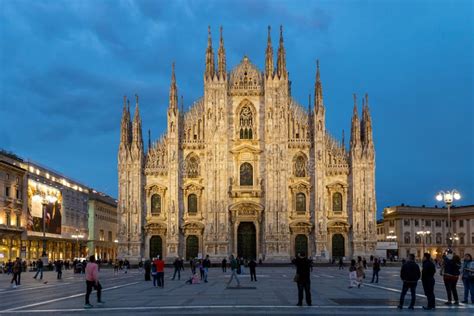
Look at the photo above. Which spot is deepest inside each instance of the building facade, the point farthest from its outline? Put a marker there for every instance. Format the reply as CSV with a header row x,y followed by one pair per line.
x,y
12,206
406,223
102,226
246,170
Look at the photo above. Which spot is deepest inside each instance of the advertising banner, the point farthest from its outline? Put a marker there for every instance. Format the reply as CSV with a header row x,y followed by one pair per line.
x,y
44,204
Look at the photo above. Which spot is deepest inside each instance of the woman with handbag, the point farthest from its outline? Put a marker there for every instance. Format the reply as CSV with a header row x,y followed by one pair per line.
x,y
468,278
451,265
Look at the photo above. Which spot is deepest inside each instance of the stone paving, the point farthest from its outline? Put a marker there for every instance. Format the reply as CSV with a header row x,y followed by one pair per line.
x,y
273,293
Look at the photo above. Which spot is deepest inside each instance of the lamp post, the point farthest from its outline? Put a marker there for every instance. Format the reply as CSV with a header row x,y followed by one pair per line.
x,y
448,197
45,199
423,234
77,236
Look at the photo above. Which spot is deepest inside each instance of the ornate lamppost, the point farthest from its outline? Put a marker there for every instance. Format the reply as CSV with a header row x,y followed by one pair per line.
x,y
423,234
448,197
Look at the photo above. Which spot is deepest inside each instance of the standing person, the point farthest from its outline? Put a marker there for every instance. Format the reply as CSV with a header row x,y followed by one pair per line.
x,y
375,270
242,265
177,268
193,266
428,281
468,278
140,265
39,269
224,265
364,262
303,278
410,274
206,265
16,267
234,265
154,273
341,264
160,271
451,271
59,269
92,281
360,271
147,266
116,267
353,275
252,267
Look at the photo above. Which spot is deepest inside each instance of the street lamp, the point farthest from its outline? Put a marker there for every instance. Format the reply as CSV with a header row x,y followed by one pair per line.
x,y
77,236
448,197
423,234
45,199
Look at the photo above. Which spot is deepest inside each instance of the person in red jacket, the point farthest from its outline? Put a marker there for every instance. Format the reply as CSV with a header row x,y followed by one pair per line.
x,y
160,271
92,281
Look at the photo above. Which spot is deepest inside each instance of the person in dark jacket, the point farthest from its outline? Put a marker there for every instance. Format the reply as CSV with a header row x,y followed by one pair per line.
x,y
375,271
410,274
224,265
467,278
147,266
177,268
252,267
451,271
303,278
428,281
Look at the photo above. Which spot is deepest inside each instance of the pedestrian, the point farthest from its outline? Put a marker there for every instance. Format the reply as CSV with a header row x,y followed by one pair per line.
x,y
92,281
303,278
451,272
39,269
22,265
177,268
468,278
116,267
252,267
147,267
360,271
193,266
341,264
410,274
353,275
375,270
206,265
224,265
16,267
59,269
154,273
140,265
233,267
160,271
242,265
181,264
428,281
364,262
201,268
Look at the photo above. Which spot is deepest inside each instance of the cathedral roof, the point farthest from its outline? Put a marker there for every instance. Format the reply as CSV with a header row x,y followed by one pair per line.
x,y
246,79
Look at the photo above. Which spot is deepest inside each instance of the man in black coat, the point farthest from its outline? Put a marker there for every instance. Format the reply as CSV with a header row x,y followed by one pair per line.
x,y
410,274
253,272
303,278
428,281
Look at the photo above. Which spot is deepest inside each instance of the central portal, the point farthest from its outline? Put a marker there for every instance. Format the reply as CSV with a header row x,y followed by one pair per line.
x,y
247,240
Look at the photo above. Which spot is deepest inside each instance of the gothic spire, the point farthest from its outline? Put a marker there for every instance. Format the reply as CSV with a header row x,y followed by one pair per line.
x,y
125,125
149,139
173,102
210,67
182,105
269,56
367,122
281,61
137,126
343,139
221,63
318,90
355,126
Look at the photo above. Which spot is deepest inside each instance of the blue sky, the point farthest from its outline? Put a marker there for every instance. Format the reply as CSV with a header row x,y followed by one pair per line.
x,y
65,66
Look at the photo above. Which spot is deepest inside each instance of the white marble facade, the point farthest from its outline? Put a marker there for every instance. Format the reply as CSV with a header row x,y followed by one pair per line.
x,y
247,171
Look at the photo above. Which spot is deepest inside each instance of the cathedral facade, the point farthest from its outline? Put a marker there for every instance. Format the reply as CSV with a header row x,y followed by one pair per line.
x,y
248,171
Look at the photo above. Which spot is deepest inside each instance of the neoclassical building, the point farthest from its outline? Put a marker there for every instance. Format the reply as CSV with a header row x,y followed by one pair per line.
x,y
246,170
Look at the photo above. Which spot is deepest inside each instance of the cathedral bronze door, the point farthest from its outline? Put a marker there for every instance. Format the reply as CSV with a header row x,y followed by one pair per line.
x,y
192,247
247,240
301,244
156,247
338,246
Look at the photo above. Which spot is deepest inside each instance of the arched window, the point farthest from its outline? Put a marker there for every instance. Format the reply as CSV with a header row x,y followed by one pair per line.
x,y
407,238
337,202
246,174
300,166
155,204
438,238
246,123
300,203
192,204
417,239
192,167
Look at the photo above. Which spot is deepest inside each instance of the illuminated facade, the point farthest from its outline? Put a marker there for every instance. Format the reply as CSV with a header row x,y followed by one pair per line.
x,y
246,170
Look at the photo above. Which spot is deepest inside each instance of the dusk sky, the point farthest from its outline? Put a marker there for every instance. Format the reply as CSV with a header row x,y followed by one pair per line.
x,y
65,66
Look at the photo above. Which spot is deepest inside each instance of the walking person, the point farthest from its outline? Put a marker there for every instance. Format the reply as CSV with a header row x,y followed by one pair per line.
x,y
177,268
206,265
303,278
410,274
468,278
224,265
193,266
39,269
252,267
360,271
353,275
16,267
341,264
375,270
154,273
233,267
160,271
428,281
92,281
59,269
451,271
242,265
147,267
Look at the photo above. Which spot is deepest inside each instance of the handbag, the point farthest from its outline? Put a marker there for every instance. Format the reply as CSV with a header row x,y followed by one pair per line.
x,y
296,278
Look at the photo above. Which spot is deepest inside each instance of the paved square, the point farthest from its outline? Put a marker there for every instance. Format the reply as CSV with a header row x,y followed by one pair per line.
x,y
273,293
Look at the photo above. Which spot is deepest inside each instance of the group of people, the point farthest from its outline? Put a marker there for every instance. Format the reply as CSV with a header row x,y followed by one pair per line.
x,y
451,270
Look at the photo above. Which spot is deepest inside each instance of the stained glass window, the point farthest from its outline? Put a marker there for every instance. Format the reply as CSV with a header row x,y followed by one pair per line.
x,y
246,123
337,202
192,167
246,174
300,167
155,204
300,203
192,204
